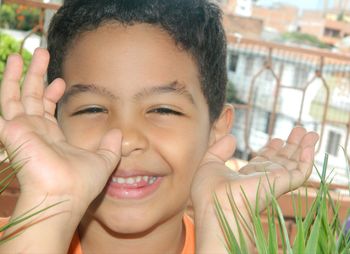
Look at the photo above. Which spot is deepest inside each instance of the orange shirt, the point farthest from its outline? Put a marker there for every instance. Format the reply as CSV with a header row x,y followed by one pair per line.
x,y
75,247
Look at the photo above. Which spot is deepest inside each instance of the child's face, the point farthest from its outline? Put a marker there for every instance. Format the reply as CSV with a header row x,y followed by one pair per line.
x,y
135,79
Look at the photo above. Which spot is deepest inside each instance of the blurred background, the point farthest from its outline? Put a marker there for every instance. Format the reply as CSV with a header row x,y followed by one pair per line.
x,y
288,64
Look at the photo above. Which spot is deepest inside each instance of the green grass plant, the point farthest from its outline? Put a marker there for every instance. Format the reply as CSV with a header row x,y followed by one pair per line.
x,y
7,175
319,231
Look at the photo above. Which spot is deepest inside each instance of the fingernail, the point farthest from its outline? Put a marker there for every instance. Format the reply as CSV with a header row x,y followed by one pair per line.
x,y
10,58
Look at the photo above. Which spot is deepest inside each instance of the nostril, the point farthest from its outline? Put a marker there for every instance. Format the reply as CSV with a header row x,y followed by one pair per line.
x,y
133,141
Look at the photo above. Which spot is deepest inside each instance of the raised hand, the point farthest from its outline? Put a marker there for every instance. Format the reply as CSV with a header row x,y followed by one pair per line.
x,y
285,166
52,170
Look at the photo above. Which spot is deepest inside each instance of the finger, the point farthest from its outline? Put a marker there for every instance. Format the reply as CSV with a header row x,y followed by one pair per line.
x,y
309,140
306,161
11,105
52,95
293,142
2,124
261,162
110,150
298,171
269,150
303,168
222,150
33,87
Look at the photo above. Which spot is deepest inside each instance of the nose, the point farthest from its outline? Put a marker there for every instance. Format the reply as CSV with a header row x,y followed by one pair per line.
x,y
133,140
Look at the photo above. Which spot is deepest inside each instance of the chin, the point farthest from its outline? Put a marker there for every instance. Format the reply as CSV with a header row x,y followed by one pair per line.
x,y
125,219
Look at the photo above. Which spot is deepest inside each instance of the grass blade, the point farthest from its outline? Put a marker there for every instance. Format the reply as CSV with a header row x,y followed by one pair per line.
x,y
232,244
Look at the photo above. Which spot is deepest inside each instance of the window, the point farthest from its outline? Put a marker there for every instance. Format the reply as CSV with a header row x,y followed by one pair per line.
x,y
268,121
333,143
232,62
261,120
269,76
300,76
331,32
249,65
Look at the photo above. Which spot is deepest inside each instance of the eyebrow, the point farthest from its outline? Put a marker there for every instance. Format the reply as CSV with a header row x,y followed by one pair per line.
x,y
84,88
173,87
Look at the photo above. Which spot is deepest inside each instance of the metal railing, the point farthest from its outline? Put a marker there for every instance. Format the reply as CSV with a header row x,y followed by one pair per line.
x,y
302,86
268,85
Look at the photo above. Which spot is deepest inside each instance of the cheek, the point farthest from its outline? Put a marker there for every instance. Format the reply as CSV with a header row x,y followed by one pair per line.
x,y
87,137
183,148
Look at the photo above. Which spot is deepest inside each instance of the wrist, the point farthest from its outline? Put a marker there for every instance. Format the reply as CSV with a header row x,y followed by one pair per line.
x,y
45,224
64,205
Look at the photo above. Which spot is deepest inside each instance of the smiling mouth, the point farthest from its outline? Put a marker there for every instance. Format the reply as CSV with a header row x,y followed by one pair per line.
x,y
135,187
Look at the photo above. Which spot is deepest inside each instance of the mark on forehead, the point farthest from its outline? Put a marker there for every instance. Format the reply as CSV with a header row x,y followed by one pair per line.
x,y
173,87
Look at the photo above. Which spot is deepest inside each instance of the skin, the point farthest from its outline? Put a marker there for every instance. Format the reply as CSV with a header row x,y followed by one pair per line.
x,y
165,132
73,159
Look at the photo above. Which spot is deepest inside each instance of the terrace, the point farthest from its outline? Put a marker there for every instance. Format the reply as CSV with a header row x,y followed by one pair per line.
x,y
273,87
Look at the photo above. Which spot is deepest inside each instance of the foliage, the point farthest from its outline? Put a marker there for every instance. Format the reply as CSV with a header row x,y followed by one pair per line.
x,y
319,232
231,94
7,16
9,45
341,16
20,17
8,172
303,38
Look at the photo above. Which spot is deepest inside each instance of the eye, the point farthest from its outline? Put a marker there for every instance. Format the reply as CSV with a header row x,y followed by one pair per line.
x,y
165,111
90,110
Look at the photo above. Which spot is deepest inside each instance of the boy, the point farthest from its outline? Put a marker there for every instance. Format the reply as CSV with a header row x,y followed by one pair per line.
x,y
139,128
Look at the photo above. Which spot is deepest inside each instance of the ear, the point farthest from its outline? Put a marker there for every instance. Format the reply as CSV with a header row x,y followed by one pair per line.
x,y
222,125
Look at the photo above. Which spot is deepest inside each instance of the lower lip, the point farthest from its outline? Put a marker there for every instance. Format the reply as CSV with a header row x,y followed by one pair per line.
x,y
125,191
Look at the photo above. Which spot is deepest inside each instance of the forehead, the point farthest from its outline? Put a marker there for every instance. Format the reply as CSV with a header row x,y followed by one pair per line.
x,y
138,55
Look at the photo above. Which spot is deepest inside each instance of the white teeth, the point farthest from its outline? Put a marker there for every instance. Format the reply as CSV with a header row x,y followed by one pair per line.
x,y
130,180
152,180
120,180
133,180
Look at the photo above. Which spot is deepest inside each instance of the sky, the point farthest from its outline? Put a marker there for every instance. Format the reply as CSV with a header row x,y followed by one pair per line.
x,y
302,4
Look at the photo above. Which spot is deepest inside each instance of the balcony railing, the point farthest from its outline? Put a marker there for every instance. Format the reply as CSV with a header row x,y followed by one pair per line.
x,y
289,86
276,87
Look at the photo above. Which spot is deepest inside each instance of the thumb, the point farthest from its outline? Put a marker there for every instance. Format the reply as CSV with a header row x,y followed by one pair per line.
x,y
110,149
222,149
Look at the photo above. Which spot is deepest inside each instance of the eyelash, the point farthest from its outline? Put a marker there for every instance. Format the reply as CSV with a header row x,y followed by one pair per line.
x,y
91,110
96,110
165,111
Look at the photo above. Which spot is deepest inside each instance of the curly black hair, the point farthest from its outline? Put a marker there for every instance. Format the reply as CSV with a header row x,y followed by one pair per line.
x,y
194,25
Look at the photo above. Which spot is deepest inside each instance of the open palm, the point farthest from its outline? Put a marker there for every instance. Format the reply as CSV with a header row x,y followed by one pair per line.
x,y
283,165
31,135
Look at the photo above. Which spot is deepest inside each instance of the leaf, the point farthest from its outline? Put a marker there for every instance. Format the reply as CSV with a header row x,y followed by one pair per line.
x,y
259,238
238,217
311,246
232,244
22,218
282,225
299,241
272,233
